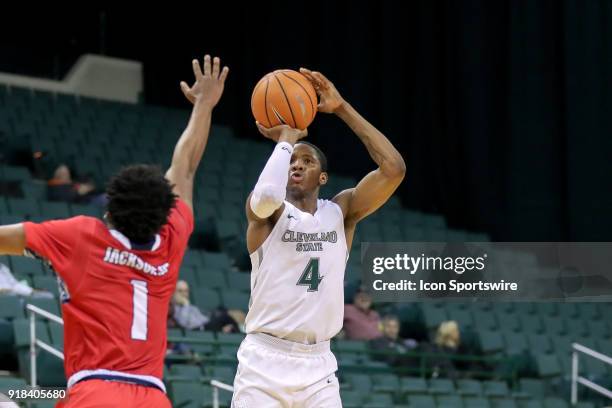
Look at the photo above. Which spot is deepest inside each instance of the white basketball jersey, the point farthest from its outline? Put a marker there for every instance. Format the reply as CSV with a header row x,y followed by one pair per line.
x,y
297,279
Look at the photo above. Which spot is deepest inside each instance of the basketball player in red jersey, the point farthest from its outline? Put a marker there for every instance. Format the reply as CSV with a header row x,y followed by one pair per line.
x,y
118,276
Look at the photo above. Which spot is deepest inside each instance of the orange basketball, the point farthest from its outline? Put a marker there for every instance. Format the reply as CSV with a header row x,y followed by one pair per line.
x,y
284,97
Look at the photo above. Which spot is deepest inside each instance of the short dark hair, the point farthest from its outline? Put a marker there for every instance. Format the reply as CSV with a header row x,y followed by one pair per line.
x,y
139,201
321,156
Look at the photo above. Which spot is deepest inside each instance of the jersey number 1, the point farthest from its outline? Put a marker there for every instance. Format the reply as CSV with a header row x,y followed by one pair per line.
x,y
139,310
310,277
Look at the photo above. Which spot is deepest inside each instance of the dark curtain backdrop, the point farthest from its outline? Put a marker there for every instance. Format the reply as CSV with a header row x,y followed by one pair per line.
x,y
502,109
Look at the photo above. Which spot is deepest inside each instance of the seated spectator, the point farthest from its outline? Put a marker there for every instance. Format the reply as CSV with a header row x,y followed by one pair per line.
x,y
190,317
176,348
394,347
360,321
11,286
62,188
447,344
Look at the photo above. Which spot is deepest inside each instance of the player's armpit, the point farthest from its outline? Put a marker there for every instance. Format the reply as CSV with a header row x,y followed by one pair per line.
x,y
369,195
12,239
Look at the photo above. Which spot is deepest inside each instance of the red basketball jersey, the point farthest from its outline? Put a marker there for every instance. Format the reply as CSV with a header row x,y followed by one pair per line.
x,y
115,299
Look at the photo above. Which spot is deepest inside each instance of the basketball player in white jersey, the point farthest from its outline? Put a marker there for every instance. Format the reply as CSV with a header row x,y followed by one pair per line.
x,y
299,246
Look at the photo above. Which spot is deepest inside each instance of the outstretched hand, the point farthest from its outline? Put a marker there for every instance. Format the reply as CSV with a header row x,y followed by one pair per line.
x,y
209,83
329,97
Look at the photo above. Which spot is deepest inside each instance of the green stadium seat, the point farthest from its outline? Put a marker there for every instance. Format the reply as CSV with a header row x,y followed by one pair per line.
x,y
11,383
206,299
361,382
594,367
462,317
175,332
449,401
588,311
352,398
379,400
184,372
45,282
230,211
231,338
484,320
50,370
476,402
490,341
547,309
55,210
413,385
495,388
504,403
433,316
516,343
88,210
239,281
576,327
531,323
193,259
23,207
533,404
547,365
189,274
44,404
554,402
189,394
535,387
14,173
554,325
227,229
539,343
212,279
508,322
4,209
56,331
385,383
598,329
568,310
236,300
11,307
421,401
525,308
469,387
34,191
223,374
350,346
50,305
441,386
25,265
21,327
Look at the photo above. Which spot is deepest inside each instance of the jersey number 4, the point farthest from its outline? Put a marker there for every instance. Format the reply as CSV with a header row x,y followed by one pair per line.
x,y
139,310
310,277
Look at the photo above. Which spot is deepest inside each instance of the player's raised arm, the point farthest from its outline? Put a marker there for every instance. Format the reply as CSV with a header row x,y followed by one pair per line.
x,y
375,188
267,198
269,192
12,239
204,94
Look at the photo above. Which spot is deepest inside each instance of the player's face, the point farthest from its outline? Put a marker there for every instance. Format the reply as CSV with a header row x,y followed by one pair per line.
x,y
305,168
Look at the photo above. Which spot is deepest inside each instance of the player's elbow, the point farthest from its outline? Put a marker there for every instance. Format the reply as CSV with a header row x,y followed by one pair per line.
x,y
266,199
396,168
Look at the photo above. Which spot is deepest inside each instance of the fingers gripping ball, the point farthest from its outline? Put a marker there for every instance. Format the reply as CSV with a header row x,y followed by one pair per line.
x,y
284,97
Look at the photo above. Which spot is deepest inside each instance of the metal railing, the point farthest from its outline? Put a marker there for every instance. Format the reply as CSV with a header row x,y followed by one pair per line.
x,y
216,386
34,310
576,379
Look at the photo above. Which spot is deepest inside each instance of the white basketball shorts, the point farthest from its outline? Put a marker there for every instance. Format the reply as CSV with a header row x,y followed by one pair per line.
x,y
276,373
